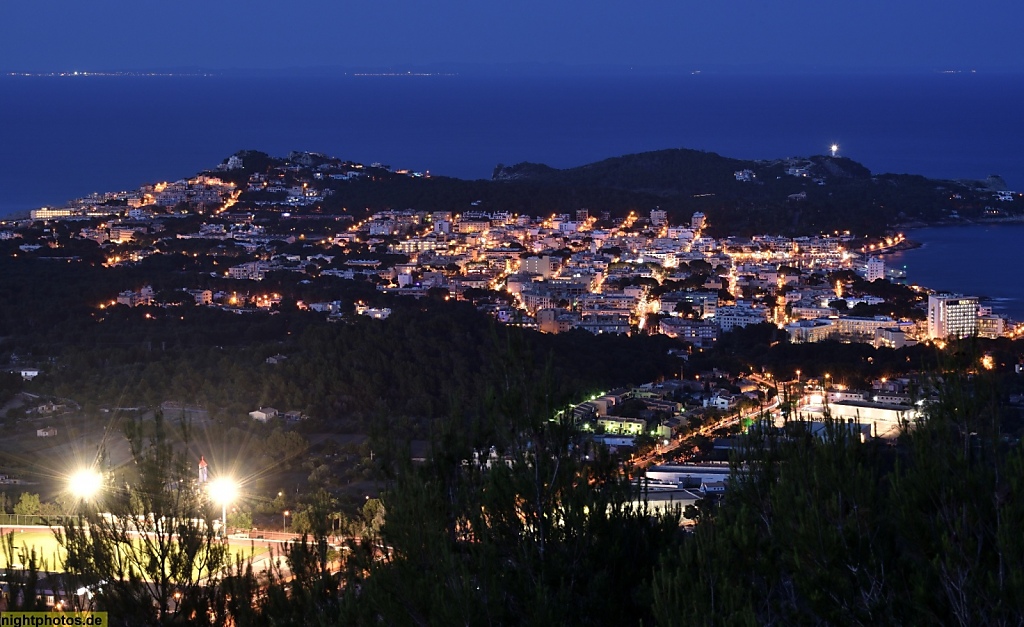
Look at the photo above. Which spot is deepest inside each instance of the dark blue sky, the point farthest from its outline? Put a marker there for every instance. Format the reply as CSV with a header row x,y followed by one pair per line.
x,y
42,35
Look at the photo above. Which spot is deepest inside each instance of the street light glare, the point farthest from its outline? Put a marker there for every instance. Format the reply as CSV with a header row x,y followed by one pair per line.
x,y
85,483
223,490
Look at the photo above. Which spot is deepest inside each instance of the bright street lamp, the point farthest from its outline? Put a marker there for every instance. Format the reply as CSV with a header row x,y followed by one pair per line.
x,y
223,490
284,520
85,483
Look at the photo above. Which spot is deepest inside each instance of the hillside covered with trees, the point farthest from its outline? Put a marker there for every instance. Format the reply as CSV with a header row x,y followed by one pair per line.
x,y
813,530
792,196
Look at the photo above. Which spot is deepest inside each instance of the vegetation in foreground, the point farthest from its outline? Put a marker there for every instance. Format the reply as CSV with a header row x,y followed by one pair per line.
x,y
538,530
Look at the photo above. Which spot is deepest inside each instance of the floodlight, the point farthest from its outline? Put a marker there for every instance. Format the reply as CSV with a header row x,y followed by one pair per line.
x,y
85,483
223,490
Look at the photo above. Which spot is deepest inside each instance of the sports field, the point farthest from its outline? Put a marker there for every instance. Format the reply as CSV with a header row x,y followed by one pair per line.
x,y
50,555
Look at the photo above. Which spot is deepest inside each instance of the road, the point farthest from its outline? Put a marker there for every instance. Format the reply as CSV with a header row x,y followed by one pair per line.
x,y
663,451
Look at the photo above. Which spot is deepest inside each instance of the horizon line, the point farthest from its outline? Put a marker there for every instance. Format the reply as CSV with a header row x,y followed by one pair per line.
x,y
524,69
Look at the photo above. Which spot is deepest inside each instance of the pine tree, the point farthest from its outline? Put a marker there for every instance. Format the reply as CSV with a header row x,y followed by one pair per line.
x,y
923,530
513,520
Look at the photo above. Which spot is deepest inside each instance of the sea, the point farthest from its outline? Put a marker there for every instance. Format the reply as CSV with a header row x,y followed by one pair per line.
x,y
981,260
64,137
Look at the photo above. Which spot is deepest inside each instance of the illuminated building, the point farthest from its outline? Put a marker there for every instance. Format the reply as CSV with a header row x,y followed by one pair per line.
x,y
739,315
991,326
954,315
252,270
553,320
47,213
703,334
599,323
808,331
885,420
545,266
892,337
876,269
860,329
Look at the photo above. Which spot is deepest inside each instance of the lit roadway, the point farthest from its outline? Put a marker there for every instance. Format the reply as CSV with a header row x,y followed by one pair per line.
x,y
639,463
642,307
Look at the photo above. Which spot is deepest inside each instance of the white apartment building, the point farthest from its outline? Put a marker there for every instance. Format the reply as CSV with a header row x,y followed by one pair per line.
x,y
875,269
859,329
253,271
809,331
703,334
545,266
47,213
955,315
739,315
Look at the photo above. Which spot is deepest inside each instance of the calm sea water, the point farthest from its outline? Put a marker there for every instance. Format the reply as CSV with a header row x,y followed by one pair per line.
x,y
65,137
982,260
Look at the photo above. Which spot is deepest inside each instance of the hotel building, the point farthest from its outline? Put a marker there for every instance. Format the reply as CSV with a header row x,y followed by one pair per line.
x,y
954,315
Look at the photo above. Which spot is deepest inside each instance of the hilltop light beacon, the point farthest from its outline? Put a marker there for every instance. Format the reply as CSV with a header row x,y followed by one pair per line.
x,y
834,148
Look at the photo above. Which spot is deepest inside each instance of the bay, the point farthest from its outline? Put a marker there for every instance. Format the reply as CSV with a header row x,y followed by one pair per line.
x,y
975,260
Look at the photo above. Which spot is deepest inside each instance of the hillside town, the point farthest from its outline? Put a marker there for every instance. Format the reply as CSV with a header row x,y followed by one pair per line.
x,y
556,273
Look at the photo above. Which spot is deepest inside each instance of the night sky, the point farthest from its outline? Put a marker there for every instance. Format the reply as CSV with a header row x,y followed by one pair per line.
x,y
760,35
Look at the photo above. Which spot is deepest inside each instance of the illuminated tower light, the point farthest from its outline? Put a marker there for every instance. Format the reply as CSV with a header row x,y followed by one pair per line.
x,y
834,148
